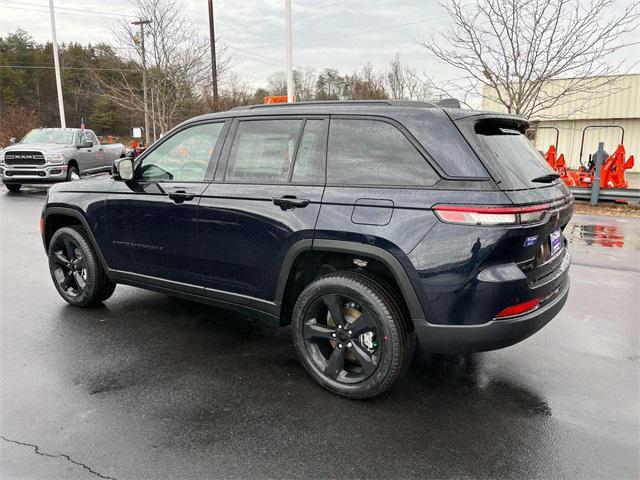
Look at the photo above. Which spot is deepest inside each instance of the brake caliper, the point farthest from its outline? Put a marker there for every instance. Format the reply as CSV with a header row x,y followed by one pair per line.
x,y
368,341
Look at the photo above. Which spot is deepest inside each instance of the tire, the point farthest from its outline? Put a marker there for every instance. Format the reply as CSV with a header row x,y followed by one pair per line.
x,y
13,187
338,354
72,173
75,269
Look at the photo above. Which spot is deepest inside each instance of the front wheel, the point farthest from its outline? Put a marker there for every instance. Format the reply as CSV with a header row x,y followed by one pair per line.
x,y
75,269
350,334
73,174
13,187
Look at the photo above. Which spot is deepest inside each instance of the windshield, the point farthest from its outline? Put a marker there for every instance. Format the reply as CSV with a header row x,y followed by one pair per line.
x,y
48,136
507,154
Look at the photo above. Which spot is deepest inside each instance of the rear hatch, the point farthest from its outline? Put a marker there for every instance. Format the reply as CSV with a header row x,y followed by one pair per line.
x,y
523,175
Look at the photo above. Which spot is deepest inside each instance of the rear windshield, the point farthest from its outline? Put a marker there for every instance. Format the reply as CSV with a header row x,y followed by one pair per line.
x,y
507,154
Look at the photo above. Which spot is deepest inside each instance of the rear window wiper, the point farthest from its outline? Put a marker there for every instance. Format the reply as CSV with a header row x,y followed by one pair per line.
x,y
548,178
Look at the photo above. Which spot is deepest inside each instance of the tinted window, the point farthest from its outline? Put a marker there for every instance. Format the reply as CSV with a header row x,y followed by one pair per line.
x,y
508,155
183,157
262,151
369,152
309,165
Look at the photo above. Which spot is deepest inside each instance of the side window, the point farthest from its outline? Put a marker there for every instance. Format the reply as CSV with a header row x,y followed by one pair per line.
x,y
309,164
183,157
370,152
90,137
262,151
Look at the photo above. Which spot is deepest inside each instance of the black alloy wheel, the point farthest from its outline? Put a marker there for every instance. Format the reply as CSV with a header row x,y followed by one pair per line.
x,y
351,335
342,338
75,269
70,270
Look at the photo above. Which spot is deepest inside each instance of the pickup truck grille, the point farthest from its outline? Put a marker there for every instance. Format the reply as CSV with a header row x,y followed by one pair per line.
x,y
24,158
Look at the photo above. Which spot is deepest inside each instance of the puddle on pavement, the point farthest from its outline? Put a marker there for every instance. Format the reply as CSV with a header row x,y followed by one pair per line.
x,y
609,236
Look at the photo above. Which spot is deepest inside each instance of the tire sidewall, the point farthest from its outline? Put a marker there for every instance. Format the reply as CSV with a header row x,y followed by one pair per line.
x,y
91,265
70,170
390,340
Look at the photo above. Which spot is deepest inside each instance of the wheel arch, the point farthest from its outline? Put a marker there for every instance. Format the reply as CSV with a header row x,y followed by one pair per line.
x,y
54,218
73,163
317,250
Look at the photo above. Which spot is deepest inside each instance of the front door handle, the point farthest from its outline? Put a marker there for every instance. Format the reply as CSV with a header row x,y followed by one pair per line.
x,y
289,202
180,196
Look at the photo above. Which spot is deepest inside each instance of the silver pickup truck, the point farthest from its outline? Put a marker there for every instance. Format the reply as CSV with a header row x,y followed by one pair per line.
x,y
48,155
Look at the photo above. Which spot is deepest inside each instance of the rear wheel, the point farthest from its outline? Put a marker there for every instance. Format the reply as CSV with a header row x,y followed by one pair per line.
x,y
75,269
13,187
350,335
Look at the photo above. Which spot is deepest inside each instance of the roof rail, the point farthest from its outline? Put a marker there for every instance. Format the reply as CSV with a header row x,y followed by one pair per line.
x,y
389,103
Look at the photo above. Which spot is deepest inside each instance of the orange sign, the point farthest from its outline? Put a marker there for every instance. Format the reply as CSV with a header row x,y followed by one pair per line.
x,y
276,99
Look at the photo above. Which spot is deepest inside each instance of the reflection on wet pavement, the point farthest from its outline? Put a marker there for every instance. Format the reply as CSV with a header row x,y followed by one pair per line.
x,y
603,235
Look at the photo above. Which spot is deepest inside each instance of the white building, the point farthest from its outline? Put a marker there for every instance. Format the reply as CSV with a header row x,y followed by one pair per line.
x,y
617,106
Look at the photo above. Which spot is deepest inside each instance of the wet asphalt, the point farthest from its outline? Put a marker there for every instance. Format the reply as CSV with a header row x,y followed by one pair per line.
x,y
149,386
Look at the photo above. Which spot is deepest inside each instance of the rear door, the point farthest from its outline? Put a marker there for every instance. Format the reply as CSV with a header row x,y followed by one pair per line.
x,y
379,185
265,198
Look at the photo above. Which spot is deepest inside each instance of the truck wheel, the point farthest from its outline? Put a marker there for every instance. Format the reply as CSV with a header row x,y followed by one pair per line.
x,y
350,334
13,187
72,174
75,269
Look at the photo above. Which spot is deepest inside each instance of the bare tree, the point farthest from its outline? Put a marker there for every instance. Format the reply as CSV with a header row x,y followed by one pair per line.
x,y
404,83
366,84
305,83
512,50
277,83
178,64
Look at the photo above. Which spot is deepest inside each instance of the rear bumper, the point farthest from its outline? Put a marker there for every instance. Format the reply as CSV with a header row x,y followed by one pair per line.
x,y
30,174
493,335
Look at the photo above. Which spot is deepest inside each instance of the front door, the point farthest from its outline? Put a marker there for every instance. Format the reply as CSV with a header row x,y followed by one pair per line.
x,y
266,197
152,220
87,155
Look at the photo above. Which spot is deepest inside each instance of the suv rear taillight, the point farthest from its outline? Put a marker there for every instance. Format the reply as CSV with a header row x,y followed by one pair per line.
x,y
481,215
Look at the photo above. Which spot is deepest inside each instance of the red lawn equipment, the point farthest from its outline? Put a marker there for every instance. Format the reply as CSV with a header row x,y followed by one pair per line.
x,y
612,172
557,162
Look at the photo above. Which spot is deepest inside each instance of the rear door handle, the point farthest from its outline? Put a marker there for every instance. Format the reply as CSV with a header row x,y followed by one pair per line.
x,y
289,202
180,196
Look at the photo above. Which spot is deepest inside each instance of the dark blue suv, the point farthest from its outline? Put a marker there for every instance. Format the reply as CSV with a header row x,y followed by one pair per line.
x,y
364,225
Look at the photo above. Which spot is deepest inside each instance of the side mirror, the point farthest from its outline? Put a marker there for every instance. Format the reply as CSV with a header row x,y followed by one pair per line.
x,y
87,144
13,141
122,169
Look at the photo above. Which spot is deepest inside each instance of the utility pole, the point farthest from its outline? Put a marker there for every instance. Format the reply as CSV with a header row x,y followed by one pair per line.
x,y
56,61
287,14
214,69
147,134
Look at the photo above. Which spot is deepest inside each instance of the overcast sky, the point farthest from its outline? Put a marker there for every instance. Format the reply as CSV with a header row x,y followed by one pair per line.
x,y
326,33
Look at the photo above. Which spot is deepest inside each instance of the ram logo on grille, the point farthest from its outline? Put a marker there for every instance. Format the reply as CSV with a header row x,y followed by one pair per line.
x,y
24,158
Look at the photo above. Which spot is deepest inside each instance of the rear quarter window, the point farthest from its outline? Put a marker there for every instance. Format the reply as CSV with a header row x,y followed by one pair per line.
x,y
374,152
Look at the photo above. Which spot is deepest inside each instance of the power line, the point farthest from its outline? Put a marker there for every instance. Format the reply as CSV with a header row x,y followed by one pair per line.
x,y
71,68
70,9
362,32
